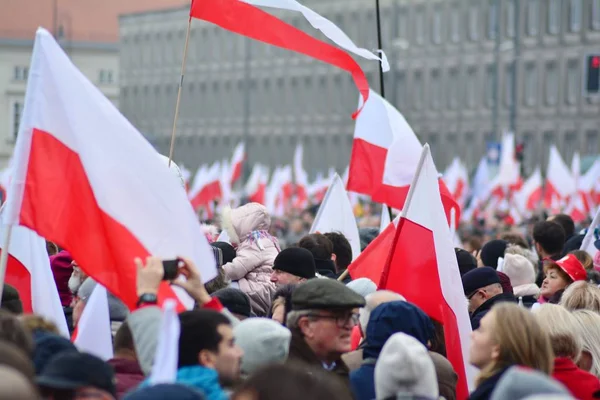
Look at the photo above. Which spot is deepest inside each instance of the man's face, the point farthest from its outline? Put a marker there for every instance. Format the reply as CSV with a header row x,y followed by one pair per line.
x,y
228,359
281,278
77,278
329,332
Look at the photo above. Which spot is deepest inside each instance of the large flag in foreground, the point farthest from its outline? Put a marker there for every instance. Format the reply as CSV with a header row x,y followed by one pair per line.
x,y
335,215
384,157
93,332
28,270
87,180
423,268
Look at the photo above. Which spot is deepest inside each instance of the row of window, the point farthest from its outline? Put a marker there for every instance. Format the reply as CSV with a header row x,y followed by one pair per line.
x,y
20,73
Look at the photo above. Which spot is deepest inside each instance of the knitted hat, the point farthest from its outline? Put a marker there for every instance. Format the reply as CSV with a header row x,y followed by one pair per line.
x,y
519,382
235,301
492,251
263,341
296,261
62,269
362,286
572,267
505,282
478,278
519,269
466,261
404,367
48,345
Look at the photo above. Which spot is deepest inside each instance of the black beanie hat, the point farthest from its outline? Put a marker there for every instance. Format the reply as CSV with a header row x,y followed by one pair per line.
x,y
296,261
491,251
235,301
465,260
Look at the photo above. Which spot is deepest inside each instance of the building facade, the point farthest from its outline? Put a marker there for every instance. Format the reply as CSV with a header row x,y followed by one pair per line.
x,y
462,72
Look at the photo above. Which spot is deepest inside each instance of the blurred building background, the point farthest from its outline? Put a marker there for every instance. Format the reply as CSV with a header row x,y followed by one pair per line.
x,y
453,76
87,30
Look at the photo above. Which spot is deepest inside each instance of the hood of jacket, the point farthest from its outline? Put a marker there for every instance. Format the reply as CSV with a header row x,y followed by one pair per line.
x,y
240,222
203,379
396,316
530,289
325,268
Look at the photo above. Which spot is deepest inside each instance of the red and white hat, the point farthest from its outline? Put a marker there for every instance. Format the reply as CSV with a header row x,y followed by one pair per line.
x,y
572,267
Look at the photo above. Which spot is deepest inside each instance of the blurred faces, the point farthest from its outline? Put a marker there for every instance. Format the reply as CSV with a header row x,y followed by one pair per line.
x,y
328,333
482,295
553,282
227,360
77,278
483,349
280,278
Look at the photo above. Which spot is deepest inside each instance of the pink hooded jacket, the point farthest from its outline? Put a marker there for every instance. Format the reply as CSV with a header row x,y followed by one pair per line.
x,y
252,267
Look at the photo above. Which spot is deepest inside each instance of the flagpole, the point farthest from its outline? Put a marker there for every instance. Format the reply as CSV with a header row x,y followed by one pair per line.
x,y
4,257
183,62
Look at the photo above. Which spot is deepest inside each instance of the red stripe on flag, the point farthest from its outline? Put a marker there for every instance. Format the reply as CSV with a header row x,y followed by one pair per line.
x,y
245,19
59,204
370,263
412,270
18,275
367,163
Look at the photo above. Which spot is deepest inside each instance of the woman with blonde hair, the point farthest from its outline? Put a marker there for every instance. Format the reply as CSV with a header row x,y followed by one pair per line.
x,y
581,295
588,327
560,325
498,344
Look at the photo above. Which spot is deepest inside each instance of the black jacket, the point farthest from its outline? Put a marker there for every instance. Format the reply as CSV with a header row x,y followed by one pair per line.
x,y
483,309
485,389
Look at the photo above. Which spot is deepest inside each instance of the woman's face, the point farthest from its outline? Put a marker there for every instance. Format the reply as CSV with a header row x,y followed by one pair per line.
x,y
553,282
483,349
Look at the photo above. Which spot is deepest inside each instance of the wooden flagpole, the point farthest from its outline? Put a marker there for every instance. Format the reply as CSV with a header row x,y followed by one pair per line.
x,y
183,62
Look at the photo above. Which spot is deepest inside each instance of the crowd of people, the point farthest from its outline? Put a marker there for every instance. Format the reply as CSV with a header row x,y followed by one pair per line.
x,y
283,320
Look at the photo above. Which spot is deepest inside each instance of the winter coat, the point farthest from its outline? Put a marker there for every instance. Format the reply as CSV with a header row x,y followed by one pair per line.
x,y
127,373
483,309
253,265
205,380
446,376
580,383
384,321
527,294
486,388
302,354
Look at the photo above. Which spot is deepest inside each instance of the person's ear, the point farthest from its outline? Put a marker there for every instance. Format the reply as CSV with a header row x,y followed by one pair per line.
x,y
305,327
333,257
495,352
207,359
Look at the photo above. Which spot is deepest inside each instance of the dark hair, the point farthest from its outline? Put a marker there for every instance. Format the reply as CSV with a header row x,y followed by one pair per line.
x,y
566,222
13,331
318,244
285,292
11,301
297,382
199,331
438,343
14,358
550,236
123,338
341,249
515,238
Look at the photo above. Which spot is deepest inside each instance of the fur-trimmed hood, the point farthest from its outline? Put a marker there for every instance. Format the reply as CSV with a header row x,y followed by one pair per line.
x,y
241,221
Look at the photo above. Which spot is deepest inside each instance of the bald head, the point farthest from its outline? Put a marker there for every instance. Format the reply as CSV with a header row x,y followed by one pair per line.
x,y
373,300
14,385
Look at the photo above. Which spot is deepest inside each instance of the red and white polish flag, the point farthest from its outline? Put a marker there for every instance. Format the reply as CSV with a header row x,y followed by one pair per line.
x,y
257,184
422,267
87,180
384,157
300,179
529,197
206,186
93,333
28,270
237,162
560,184
456,178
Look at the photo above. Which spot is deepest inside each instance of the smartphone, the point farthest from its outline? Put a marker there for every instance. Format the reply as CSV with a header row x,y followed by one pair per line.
x,y
171,269
218,253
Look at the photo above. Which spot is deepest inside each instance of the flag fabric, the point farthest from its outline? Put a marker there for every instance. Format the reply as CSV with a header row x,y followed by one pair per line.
x,y
559,182
257,184
93,333
237,162
28,270
385,218
385,152
206,186
422,267
528,198
335,215
589,187
279,192
247,20
317,190
300,179
86,179
588,240
164,367
456,178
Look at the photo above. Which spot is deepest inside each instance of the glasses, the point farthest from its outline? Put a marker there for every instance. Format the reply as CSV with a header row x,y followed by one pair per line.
x,y
340,320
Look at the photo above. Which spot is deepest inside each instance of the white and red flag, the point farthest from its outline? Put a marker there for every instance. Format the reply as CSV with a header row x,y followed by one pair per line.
x,y
237,162
206,186
560,184
93,332
422,257
384,157
257,184
87,180
28,270
456,178
300,180
529,196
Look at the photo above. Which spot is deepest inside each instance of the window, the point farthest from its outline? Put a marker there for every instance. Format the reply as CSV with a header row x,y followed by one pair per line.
x,y
572,89
17,110
492,19
420,26
489,86
471,86
510,18
455,25
105,76
530,92
533,17
508,85
592,141
575,10
473,22
551,84
402,23
436,89
21,73
453,91
595,15
417,92
554,16
436,26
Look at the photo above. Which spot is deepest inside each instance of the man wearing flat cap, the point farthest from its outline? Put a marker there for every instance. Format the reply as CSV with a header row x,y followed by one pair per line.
x,y
324,311
483,289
